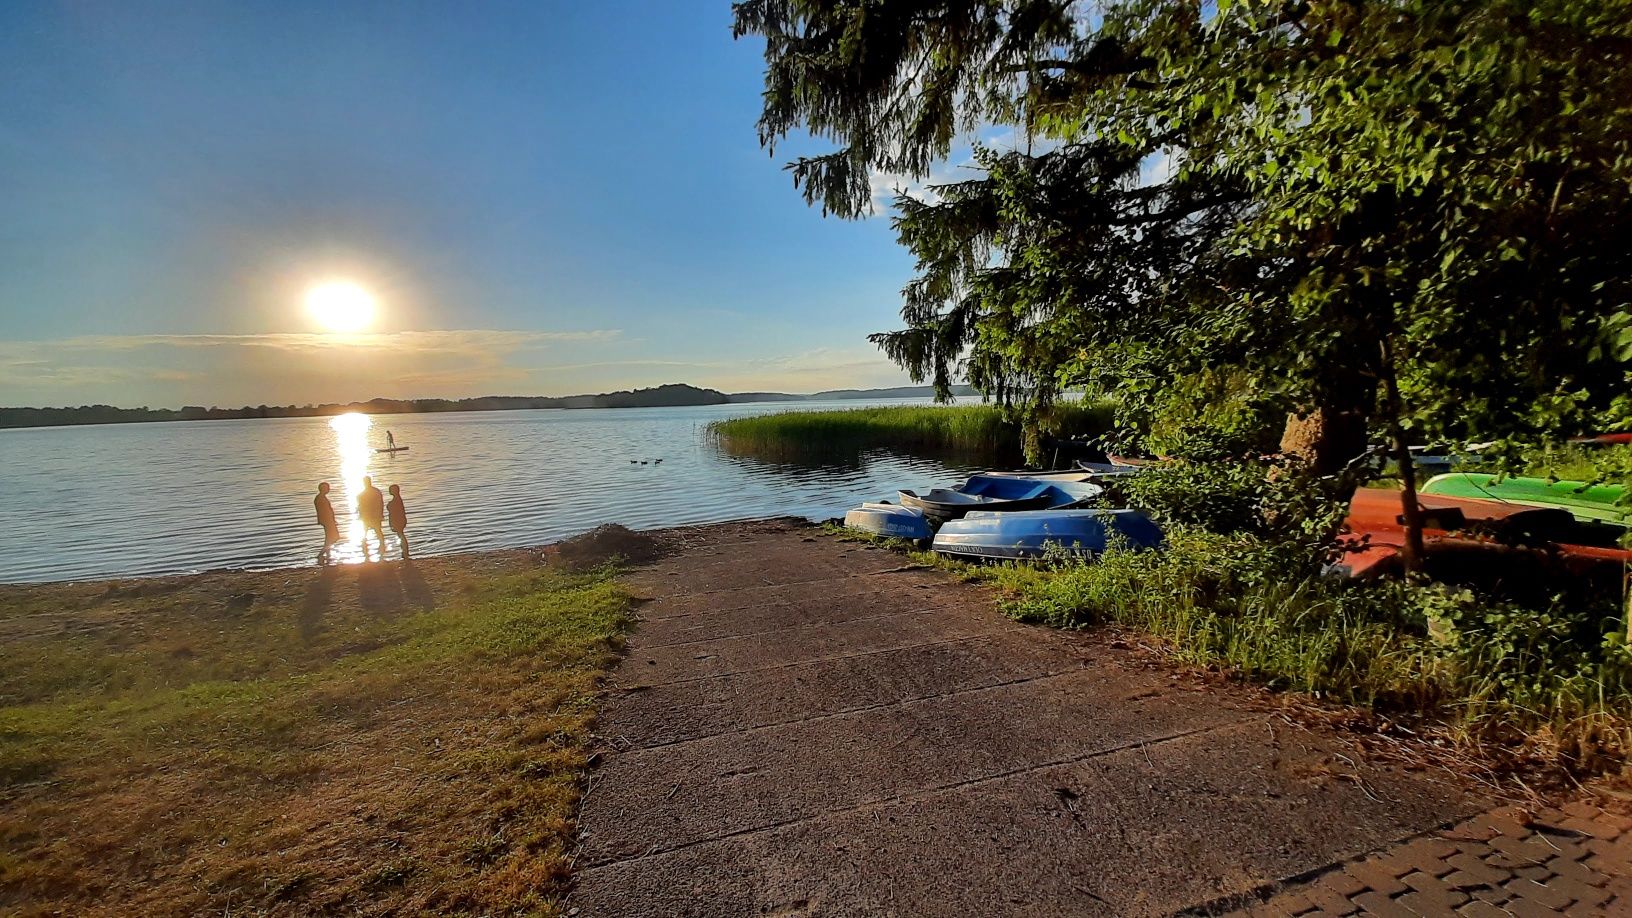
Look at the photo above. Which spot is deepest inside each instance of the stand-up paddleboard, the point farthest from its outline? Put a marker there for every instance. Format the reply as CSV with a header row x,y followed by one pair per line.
x,y
392,449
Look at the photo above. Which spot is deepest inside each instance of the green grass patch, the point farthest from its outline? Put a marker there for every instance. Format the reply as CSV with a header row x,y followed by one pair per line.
x,y
979,432
1554,682
389,737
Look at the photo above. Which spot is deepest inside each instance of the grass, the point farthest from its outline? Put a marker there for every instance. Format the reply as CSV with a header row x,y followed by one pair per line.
x,y
370,739
1542,683
983,431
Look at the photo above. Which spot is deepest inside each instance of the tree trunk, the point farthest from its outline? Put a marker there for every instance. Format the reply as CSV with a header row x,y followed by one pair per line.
x,y
1327,439
1411,513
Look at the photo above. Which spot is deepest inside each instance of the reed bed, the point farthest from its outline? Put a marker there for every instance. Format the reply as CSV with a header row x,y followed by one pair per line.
x,y
976,430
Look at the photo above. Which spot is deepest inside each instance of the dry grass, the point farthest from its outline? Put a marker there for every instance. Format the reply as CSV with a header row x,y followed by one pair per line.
x,y
369,739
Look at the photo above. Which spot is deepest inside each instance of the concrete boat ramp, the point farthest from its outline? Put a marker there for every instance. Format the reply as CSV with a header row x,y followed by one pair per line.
x,y
804,726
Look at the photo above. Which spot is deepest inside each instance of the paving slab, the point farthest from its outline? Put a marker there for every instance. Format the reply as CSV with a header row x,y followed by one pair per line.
x,y
751,779
730,654
805,727
650,715
1147,830
783,616
796,595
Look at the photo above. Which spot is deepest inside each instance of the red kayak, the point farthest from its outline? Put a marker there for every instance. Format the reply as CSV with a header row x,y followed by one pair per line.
x,y
1376,530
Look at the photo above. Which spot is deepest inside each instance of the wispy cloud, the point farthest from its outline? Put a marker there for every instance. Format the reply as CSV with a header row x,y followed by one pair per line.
x,y
456,339
294,367
232,370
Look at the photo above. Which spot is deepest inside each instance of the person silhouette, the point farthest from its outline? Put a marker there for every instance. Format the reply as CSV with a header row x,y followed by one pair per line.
x,y
371,510
397,513
325,518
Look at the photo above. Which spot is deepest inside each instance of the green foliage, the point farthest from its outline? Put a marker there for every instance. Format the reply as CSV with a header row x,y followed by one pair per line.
x,y
974,431
1497,671
1408,209
1573,462
1263,497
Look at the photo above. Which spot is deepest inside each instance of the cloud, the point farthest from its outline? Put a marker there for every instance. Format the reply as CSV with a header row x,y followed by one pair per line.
x,y
278,368
803,371
1157,168
233,370
444,339
960,167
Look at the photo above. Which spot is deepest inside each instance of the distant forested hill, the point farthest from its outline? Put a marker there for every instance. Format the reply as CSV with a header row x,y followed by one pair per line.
x,y
672,395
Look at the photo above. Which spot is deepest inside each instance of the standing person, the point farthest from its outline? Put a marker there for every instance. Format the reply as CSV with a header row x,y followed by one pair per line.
x,y
398,515
390,443
371,510
325,518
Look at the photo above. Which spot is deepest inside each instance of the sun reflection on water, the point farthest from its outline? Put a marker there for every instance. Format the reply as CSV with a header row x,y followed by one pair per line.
x,y
351,441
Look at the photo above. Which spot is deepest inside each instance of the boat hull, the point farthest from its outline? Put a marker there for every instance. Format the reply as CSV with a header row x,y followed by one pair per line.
x,y
998,494
1042,533
1376,532
1593,503
889,520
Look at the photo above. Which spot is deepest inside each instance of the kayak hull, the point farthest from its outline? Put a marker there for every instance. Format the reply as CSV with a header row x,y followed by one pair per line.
x,y
1376,532
889,520
1040,533
1593,503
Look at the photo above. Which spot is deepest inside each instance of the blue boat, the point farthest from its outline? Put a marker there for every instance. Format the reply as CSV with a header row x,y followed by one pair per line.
x,y
891,520
1030,534
1078,475
991,492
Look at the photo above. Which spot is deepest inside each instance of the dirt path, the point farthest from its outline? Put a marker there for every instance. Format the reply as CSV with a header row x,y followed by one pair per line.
x,y
804,726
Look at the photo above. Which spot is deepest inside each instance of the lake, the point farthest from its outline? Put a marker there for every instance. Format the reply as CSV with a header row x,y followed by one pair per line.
x,y
142,499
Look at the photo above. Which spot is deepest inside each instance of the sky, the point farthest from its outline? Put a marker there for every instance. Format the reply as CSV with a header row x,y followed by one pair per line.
x,y
545,198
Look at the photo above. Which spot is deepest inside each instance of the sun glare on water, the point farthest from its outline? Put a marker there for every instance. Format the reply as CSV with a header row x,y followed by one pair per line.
x,y
351,443
341,306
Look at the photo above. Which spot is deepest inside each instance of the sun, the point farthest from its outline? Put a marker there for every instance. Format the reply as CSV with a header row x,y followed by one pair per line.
x,y
341,306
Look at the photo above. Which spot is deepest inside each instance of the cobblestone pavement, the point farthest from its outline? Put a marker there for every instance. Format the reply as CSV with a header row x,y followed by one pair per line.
x,y
1571,861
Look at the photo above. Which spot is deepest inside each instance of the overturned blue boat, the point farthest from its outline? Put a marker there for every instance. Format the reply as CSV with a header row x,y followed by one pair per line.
x,y
992,492
889,520
1036,533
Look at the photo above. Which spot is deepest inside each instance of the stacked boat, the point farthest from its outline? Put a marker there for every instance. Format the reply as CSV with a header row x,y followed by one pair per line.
x,y
1010,516
1581,524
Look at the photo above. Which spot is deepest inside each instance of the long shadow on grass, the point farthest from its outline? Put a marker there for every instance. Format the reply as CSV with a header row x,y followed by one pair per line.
x,y
379,588
318,597
414,586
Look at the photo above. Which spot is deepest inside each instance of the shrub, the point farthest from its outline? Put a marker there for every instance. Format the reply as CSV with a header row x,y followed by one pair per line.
x,y
1559,674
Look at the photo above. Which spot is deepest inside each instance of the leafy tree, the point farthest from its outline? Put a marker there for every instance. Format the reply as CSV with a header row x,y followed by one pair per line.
x,y
1405,216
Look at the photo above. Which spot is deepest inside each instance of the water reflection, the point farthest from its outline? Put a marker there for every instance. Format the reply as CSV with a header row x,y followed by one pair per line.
x,y
351,443
475,480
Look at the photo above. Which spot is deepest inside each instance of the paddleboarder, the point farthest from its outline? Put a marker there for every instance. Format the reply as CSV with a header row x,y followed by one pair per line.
x,y
390,443
397,514
371,510
325,518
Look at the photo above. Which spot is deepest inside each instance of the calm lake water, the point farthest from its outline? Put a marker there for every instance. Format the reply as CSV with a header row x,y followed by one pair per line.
x,y
139,499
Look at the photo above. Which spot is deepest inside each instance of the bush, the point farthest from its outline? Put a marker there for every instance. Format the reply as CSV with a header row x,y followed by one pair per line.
x,y
1560,675
1259,496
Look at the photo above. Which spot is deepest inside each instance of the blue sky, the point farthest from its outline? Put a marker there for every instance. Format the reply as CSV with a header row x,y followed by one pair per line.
x,y
547,197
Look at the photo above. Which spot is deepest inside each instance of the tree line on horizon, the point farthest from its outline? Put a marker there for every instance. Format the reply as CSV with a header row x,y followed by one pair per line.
x,y
669,395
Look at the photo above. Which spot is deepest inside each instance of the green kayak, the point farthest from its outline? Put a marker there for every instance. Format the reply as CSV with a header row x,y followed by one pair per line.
x,y
1596,503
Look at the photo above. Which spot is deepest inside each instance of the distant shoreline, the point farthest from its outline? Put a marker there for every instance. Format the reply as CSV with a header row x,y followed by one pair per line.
x,y
675,395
